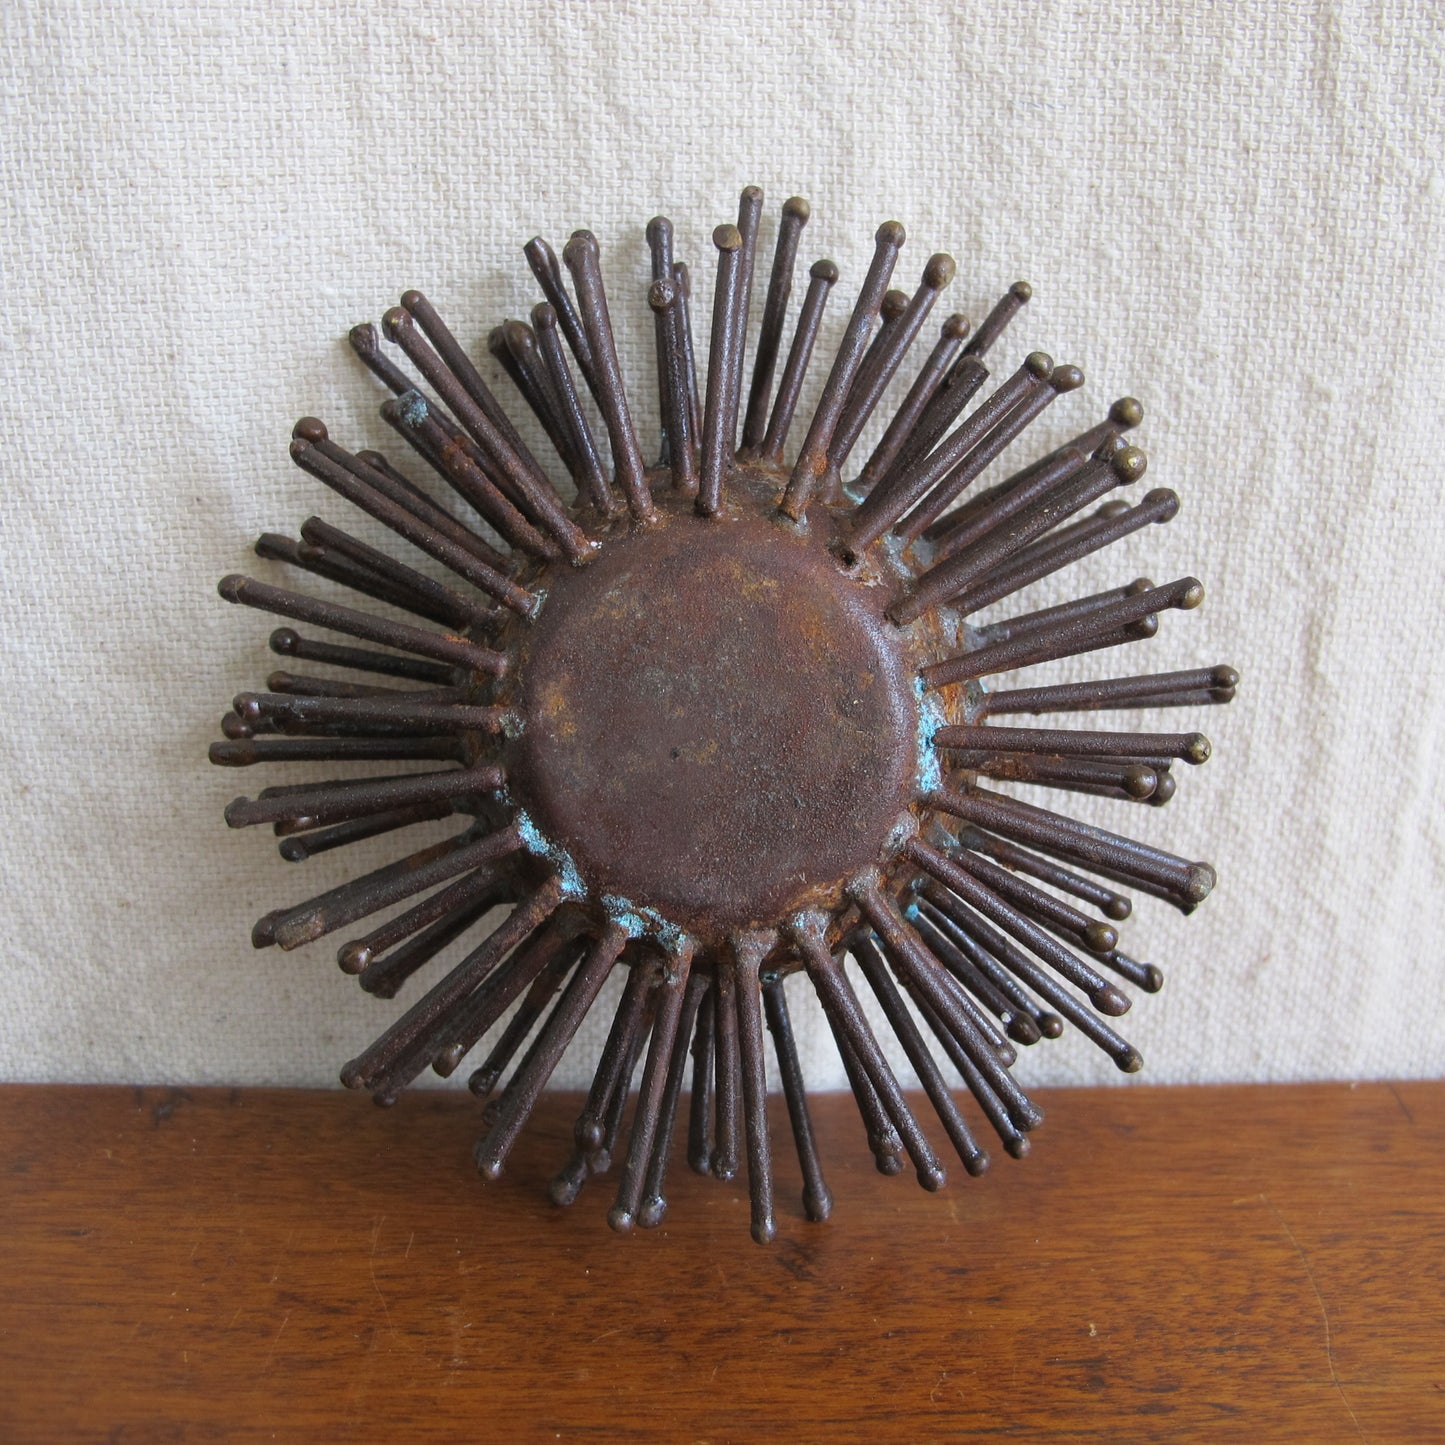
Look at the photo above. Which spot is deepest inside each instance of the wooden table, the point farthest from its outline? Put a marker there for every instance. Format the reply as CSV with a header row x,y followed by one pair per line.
x,y
1170,1264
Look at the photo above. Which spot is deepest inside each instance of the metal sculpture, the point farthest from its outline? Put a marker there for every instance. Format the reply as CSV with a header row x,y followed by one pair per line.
x,y
720,720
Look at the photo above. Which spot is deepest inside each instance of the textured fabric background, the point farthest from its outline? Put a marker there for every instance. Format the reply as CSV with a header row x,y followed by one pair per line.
x,y
1235,214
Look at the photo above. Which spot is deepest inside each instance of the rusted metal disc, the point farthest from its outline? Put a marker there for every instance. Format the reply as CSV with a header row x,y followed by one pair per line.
x,y
721,725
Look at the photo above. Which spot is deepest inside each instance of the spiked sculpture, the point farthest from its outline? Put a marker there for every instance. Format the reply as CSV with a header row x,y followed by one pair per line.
x,y
721,719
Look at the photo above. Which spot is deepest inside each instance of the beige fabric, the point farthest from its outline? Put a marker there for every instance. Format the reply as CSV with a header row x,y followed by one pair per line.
x,y
1235,214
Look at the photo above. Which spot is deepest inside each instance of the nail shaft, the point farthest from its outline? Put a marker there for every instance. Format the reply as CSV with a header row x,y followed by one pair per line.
x,y
582,260
458,651
808,472
817,1197
522,1093
945,352
775,310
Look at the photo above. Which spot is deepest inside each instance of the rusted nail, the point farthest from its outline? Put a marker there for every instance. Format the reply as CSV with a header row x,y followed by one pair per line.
x,y
796,212
812,462
823,276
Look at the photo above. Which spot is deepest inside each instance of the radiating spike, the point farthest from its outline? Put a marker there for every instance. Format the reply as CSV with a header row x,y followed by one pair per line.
x,y
600,1161
750,215
1057,550
522,1092
276,547
458,651
1191,748
934,899
662,297
737,249
1179,880
656,1076
247,752
410,1044
359,954
957,574
1136,782
1038,978
582,260
727,1072
963,379
1112,905
489,1003
898,492
539,967
823,276
817,1197
543,261
1014,1140
463,466
1053,913
567,1183
975,1160
961,384
591,479
945,352
452,606
1069,638
366,343
1019,1023
296,849
1200,685
1046,618
840,1002
521,470
287,642
890,314
588,1132
953,575
373,468
812,464
892,346
996,322
724,372
682,279
514,347
335,805
796,212
701,1138
288,790
654,1202
316,917
415,423
1061,379
461,366
1145,975
359,490
911,960
883,1141
441,432
235,726
1034,485
1125,414
748,953
384,976
379,463
408,711
958,877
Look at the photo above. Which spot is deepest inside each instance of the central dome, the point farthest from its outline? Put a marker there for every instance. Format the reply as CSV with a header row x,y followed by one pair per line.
x,y
720,723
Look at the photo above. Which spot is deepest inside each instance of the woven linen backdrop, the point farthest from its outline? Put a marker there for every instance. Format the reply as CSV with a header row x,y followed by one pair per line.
x,y
1234,214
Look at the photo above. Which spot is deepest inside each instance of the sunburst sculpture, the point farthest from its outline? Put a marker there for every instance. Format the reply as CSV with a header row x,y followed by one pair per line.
x,y
721,719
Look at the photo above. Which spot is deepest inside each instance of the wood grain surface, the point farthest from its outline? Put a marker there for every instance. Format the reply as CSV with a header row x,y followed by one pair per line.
x,y
1170,1264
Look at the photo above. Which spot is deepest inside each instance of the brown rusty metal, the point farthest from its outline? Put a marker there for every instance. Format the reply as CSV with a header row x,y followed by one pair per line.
x,y
719,722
